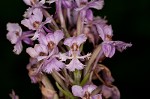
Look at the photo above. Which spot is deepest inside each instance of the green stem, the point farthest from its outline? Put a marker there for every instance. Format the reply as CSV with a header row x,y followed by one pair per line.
x,y
85,79
65,92
77,76
81,47
67,76
57,78
93,57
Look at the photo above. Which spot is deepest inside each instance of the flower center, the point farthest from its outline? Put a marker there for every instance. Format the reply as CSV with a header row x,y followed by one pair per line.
x,y
87,95
36,24
83,3
42,54
51,45
17,33
108,37
74,47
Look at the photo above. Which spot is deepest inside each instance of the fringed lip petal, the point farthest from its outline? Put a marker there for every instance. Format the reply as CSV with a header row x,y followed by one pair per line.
x,y
74,64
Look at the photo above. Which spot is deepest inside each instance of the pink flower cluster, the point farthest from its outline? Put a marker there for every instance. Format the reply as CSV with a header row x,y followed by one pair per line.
x,y
57,48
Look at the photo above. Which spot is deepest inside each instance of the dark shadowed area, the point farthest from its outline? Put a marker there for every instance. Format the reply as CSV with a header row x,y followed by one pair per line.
x,y
130,20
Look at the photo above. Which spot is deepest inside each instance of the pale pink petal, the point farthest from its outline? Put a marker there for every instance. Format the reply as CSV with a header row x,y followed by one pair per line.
x,y
108,49
120,46
14,32
32,52
14,27
42,39
81,39
36,35
97,4
108,30
77,91
38,15
56,37
28,12
27,2
36,18
89,88
39,58
53,64
100,30
59,35
42,1
78,40
78,2
89,15
27,23
69,41
62,56
98,96
75,64
50,37
12,37
44,49
41,48
18,48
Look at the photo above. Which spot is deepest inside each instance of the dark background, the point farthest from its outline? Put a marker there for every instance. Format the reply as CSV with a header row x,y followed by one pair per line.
x,y
130,20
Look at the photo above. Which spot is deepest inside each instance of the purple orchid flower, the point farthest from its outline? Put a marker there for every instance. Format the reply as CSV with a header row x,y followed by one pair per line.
x,y
49,63
109,47
84,4
39,51
74,53
52,64
85,92
34,22
51,40
15,36
105,31
99,27
75,64
33,4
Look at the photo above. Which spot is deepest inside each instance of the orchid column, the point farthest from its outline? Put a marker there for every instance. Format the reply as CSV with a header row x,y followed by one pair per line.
x,y
57,50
